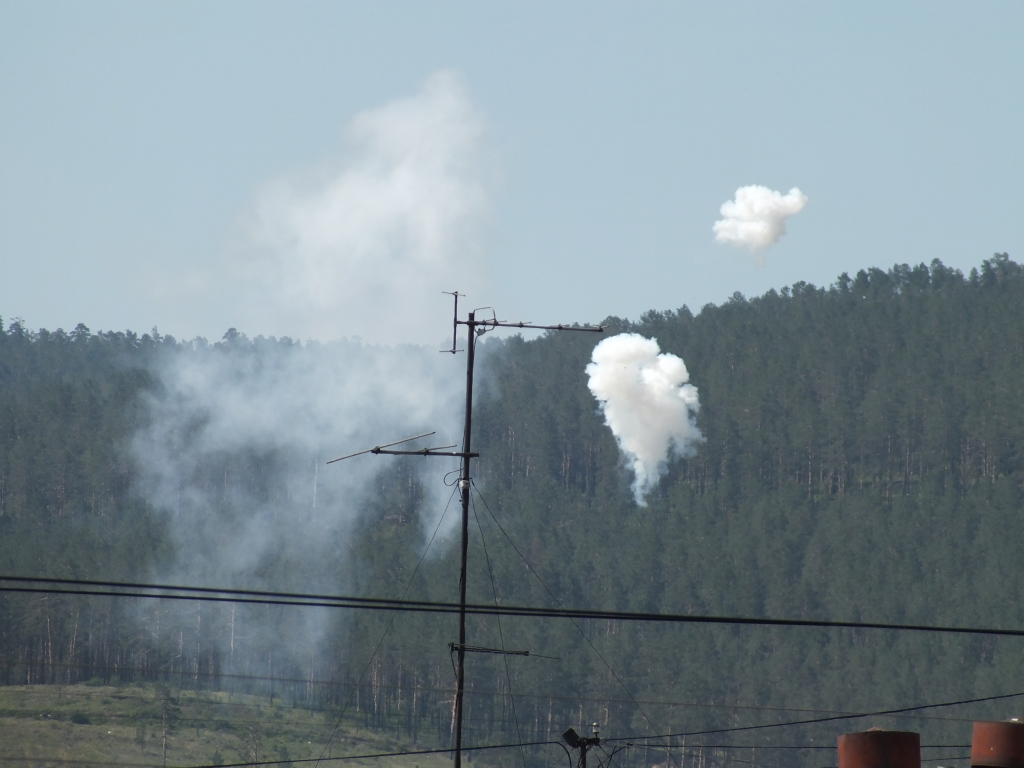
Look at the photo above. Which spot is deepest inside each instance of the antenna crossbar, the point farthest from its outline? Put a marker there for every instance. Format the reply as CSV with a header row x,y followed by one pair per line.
x,y
380,448
453,647
559,327
427,452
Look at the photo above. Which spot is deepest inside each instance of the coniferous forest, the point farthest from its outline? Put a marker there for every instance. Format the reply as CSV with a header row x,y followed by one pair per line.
x,y
863,461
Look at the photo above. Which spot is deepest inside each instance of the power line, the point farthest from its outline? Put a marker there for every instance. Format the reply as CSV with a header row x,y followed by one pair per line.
x,y
46,760
167,592
387,629
788,746
843,716
811,721
501,633
193,719
434,688
406,753
583,634
289,760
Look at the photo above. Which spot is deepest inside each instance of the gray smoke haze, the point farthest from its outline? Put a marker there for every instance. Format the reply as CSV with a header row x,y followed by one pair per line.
x,y
233,457
363,244
237,434
277,411
647,403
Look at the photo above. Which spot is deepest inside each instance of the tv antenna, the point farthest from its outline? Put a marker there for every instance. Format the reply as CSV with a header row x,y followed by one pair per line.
x,y
475,328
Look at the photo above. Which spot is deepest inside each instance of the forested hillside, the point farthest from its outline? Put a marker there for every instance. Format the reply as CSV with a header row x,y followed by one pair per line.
x,y
862,461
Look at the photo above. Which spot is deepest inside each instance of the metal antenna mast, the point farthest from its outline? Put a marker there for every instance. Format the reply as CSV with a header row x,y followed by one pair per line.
x,y
475,328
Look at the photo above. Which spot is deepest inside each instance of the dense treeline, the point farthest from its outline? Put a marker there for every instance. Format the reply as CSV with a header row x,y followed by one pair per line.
x,y
67,404
862,462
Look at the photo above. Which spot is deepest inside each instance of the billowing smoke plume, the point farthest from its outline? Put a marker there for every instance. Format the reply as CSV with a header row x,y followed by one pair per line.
x,y
648,404
236,434
363,250
365,245
281,410
235,448
757,217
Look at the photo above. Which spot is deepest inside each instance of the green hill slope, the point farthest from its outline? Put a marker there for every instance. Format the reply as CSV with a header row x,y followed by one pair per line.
x,y
862,462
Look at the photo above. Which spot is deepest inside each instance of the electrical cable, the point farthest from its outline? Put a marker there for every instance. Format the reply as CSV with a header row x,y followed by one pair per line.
x,y
501,634
796,746
475,692
196,719
286,761
611,757
726,730
574,623
406,753
116,589
48,760
811,721
387,629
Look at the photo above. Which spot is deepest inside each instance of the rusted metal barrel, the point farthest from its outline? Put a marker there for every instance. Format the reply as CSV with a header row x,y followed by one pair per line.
x,y
880,749
998,745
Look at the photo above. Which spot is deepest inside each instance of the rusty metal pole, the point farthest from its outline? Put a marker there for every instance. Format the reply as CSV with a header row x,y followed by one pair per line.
x,y
465,484
464,487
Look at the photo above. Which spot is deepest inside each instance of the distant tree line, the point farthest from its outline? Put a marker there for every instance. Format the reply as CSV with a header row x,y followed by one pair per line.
x,y
862,462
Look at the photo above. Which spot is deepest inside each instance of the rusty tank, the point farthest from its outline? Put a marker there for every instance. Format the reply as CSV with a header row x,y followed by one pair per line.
x,y
877,748
998,744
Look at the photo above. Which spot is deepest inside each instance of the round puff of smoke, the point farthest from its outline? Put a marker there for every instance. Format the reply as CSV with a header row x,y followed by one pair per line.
x,y
647,403
757,217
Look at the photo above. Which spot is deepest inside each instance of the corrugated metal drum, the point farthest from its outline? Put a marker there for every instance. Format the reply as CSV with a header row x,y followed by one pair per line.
x,y
880,749
998,745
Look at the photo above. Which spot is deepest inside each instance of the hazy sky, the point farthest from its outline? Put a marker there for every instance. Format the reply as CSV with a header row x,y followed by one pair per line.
x,y
196,166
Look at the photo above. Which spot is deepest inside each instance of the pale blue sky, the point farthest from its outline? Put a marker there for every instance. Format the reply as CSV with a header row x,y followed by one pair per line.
x,y
133,136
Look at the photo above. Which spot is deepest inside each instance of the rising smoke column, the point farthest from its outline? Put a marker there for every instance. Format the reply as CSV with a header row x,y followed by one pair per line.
x,y
756,218
300,405
647,403
233,436
364,243
363,249
230,454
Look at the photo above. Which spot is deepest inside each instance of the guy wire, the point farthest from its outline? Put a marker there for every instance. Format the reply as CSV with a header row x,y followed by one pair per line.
x,y
574,623
501,634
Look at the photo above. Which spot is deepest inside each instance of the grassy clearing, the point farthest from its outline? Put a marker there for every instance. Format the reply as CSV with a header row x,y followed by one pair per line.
x,y
62,726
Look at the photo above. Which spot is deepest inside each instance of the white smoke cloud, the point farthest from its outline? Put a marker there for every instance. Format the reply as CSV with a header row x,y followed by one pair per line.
x,y
756,218
363,249
235,435
298,403
234,452
647,403
364,246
